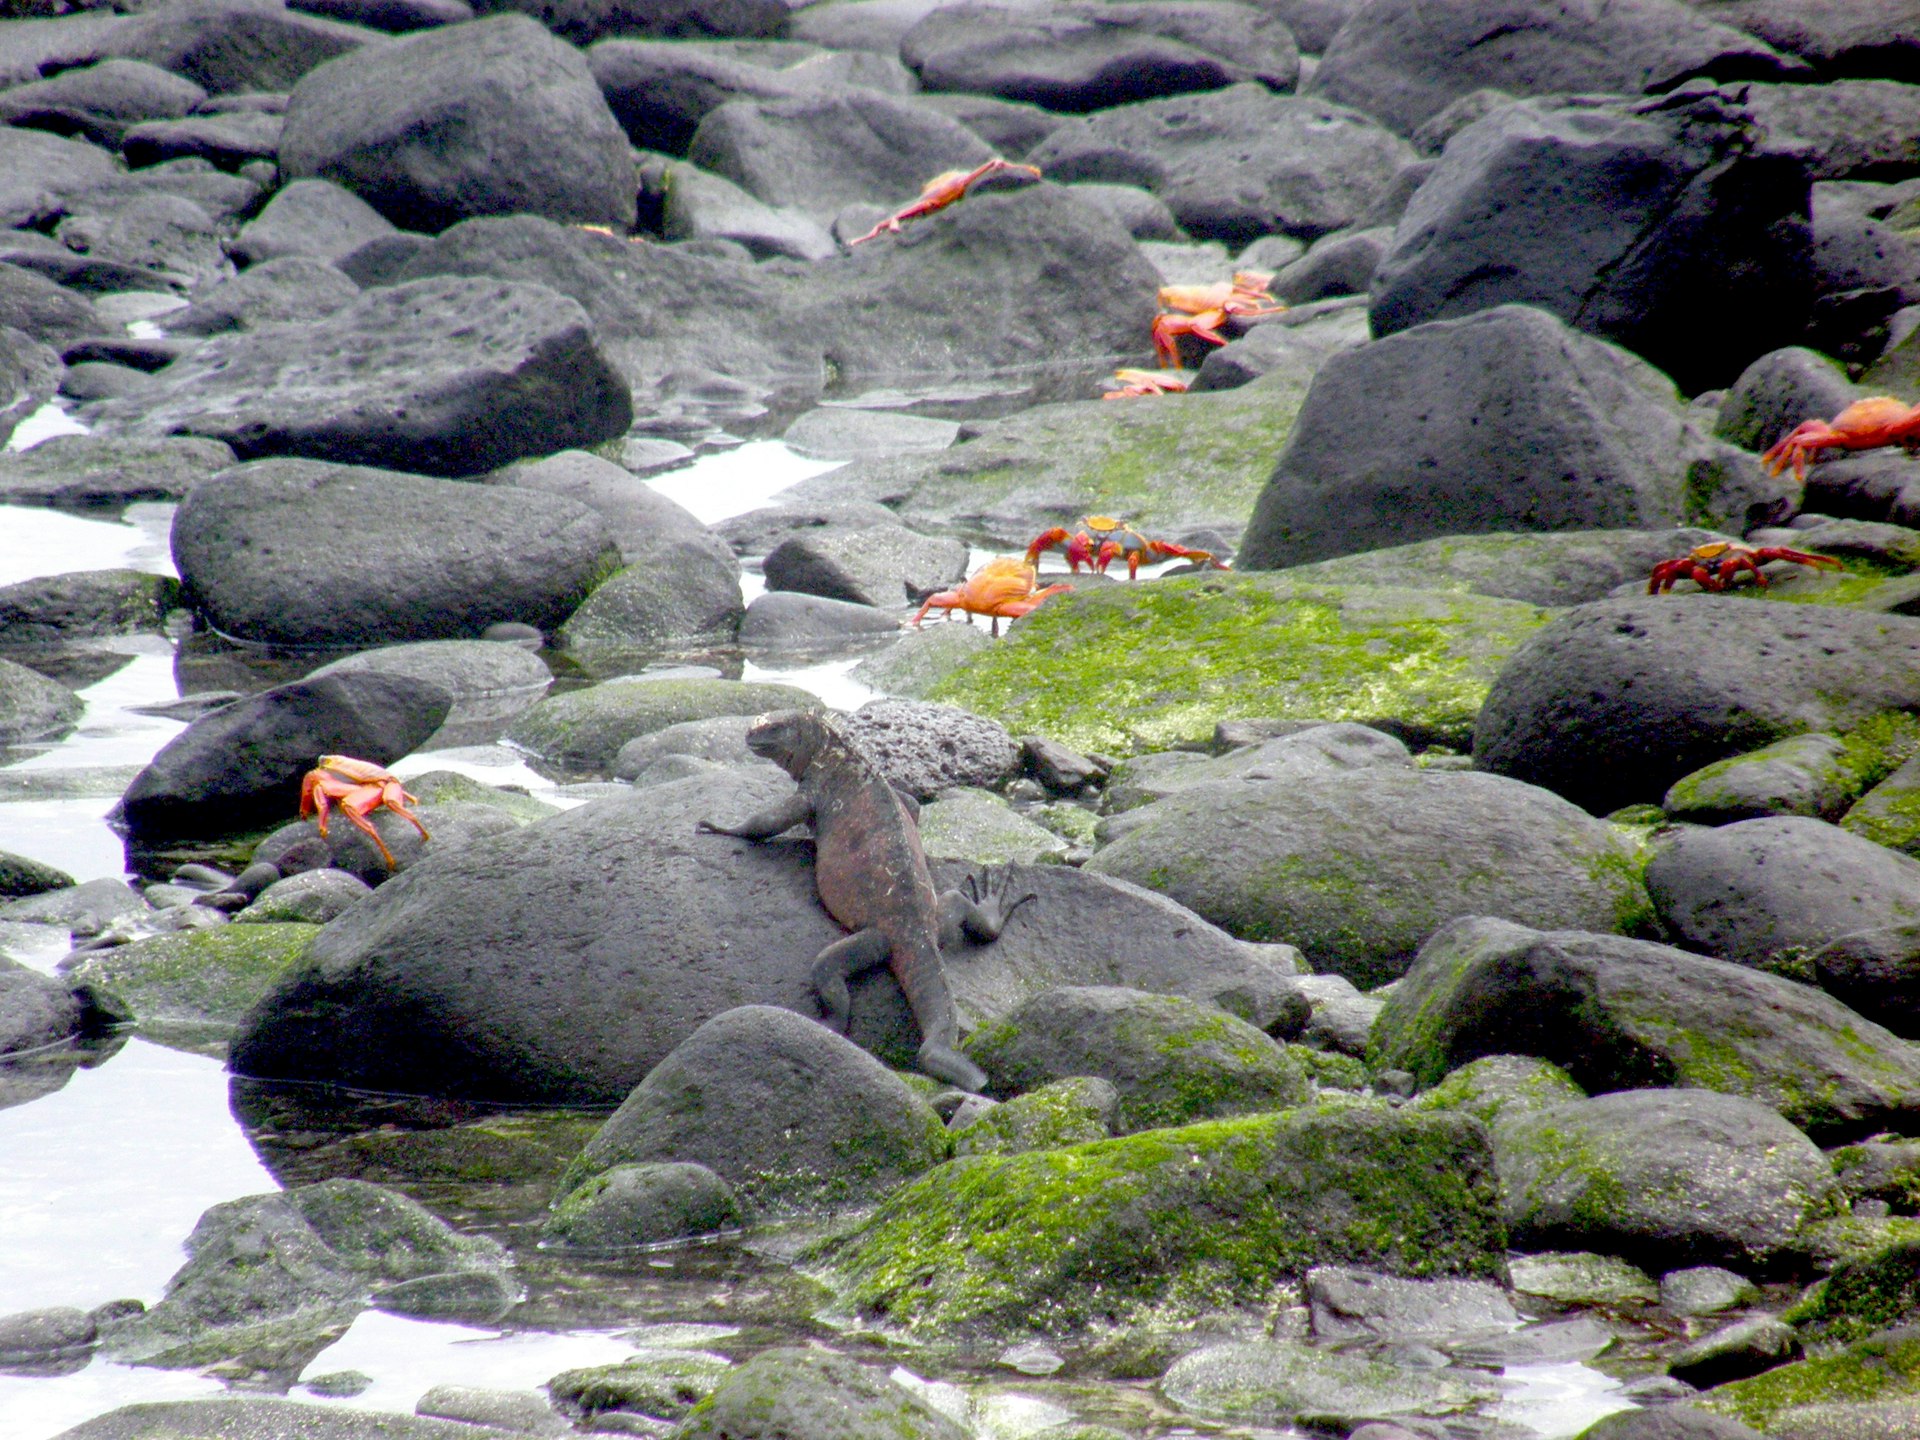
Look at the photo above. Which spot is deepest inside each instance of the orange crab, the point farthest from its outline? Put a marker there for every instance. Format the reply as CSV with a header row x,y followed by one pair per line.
x,y
356,788
942,191
1200,311
1135,383
1106,539
1715,566
1864,425
1005,588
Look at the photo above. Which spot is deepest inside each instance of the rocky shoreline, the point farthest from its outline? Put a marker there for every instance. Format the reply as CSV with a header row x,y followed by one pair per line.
x,y
1475,931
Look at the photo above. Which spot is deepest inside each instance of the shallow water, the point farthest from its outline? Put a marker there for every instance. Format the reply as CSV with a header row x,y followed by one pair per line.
x,y
104,1174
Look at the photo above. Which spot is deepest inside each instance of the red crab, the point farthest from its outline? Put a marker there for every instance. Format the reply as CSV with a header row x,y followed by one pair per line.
x,y
1864,425
1200,311
356,788
1106,539
942,191
1005,588
1135,383
1715,566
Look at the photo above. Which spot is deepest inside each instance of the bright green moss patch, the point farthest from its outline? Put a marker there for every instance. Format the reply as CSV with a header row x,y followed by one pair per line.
x,y
1871,1370
202,977
1156,663
1174,1221
1872,1292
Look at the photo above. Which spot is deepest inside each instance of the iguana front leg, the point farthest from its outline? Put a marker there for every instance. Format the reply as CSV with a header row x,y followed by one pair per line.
x,y
980,911
796,809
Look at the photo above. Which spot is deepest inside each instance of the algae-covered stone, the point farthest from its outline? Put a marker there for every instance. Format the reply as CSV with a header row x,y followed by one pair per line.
x,y
1664,1177
312,897
1359,868
1053,464
1889,813
1497,1085
1174,1221
783,1393
780,1107
196,984
920,660
1173,1060
1580,1277
450,787
1278,1382
1877,1291
1066,1112
978,825
1149,665
1619,1013
1886,1170
82,603
1568,567
659,1382
644,1205
1800,775
1880,1368
584,729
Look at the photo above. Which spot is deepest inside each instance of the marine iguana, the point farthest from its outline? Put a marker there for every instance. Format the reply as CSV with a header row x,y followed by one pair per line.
x,y
872,877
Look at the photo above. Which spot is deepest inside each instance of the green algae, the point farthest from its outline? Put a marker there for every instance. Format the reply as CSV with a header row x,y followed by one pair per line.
x,y
1159,663
200,978
1173,1221
1885,1367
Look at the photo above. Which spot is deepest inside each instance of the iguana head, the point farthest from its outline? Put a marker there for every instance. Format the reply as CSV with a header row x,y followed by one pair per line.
x,y
789,738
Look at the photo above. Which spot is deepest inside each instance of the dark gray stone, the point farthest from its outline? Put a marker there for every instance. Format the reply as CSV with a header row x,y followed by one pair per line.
x,y
1647,225
315,218
1238,163
924,748
21,876
1623,1014
479,554
37,172
584,21
229,140
1735,1351
312,897
700,206
84,604
82,470
237,1418
1614,701
1338,264
32,707
1838,37
781,1108
1663,1178
447,376
660,91
37,1010
786,619
228,46
1779,390
1670,1422
392,15
1407,62
1079,57
242,764
873,565
99,103
1393,443
48,312
296,288
495,117
563,961
1349,1304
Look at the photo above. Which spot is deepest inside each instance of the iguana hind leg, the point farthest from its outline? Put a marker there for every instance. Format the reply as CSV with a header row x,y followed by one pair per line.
x,y
858,953
980,911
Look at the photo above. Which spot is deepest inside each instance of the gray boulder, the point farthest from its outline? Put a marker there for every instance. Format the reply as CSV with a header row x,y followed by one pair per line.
x,y
29,375
1788,892
230,139
585,729
649,1203
241,765
228,46
1080,57
446,376
39,170
1171,1059
293,288
924,748
83,604
1837,37
222,1418
491,118
660,91
1393,444
82,470
581,22
1238,163
1709,236
700,206
565,960
49,313
1623,1014
100,102
37,1010
781,619
880,565
476,555
32,707
1406,62
316,218
1779,390
1812,775
1613,702
1664,1178
781,1393
781,1108
1359,868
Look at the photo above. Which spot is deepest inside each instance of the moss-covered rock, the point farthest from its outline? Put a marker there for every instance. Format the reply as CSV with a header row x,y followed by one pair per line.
x,y
584,729
1010,479
783,1393
1580,1277
1889,813
1884,1367
650,1204
1173,1060
1173,1222
977,825
447,787
193,986
1073,1111
82,603
662,1383
1280,1382
1864,1294
1359,868
1497,1085
1153,664
1800,775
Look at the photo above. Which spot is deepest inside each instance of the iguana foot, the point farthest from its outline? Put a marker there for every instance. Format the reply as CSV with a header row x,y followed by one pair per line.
x,y
984,907
945,1063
